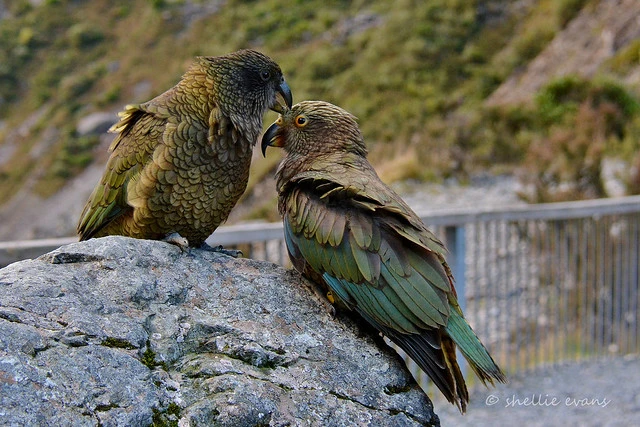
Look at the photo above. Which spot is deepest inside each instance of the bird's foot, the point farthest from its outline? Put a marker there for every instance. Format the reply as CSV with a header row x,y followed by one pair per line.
x,y
219,249
178,240
325,298
330,297
331,308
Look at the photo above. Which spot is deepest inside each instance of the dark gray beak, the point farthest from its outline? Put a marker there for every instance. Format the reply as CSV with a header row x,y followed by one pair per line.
x,y
272,138
285,93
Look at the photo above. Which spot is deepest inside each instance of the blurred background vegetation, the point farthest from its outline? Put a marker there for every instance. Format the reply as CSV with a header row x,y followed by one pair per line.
x,y
422,77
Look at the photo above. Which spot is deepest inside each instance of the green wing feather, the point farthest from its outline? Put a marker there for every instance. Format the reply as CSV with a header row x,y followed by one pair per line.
x,y
375,270
110,200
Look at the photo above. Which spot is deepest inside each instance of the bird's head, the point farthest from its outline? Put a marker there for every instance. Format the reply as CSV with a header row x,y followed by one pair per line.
x,y
315,128
247,83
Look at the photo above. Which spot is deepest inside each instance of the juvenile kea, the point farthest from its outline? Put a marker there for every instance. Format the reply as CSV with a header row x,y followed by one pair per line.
x,y
347,230
180,162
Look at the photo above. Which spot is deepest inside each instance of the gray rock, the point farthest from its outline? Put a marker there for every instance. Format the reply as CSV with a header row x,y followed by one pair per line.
x,y
118,331
96,123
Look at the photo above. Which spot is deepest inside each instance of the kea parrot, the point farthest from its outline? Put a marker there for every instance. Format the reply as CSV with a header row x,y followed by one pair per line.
x,y
354,236
180,161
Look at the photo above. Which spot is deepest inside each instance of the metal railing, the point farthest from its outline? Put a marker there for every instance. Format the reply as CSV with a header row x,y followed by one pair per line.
x,y
553,282
538,283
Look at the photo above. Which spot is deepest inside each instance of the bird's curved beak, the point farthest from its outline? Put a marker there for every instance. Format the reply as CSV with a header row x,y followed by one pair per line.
x,y
285,93
272,137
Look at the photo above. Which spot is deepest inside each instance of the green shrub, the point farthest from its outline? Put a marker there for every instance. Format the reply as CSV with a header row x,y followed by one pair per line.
x,y
627,58
84,36
566,164
563,96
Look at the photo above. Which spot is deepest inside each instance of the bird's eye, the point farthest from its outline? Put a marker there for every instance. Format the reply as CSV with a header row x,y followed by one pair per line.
x,y
301,121
265,75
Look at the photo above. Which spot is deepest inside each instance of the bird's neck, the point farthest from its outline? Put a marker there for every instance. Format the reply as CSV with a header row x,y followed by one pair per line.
x,y
195,91
292,165
331,163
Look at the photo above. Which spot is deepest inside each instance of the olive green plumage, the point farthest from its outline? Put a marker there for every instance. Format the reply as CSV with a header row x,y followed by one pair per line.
x,y
345,228
180,161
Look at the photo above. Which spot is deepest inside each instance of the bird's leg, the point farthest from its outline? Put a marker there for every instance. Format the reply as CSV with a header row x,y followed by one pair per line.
x,y
230,252
178,240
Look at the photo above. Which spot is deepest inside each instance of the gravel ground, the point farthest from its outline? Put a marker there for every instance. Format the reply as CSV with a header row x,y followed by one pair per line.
x,y
481,191
602,392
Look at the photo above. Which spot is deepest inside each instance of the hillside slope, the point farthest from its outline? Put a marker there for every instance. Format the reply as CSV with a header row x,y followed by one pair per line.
x,y
423,78
584,47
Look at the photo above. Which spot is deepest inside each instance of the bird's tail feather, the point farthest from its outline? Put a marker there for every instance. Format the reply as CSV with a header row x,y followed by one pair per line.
x,y
472,349
437,360
449,350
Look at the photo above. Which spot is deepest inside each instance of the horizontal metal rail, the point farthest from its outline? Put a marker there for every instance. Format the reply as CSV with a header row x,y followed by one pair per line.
x,y
11,251
542,211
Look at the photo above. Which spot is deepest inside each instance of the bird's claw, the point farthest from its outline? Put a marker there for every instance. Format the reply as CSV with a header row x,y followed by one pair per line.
x,y
219,249
178,240
331,309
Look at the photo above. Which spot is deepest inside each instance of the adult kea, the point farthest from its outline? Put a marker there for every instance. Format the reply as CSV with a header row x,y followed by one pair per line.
x,y
345,229
180,162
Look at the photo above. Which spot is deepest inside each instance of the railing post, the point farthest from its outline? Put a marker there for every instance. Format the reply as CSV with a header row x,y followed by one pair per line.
x,y
455,243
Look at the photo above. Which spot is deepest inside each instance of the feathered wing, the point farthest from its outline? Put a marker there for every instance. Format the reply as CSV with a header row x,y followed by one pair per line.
x,y
139,130
375,254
